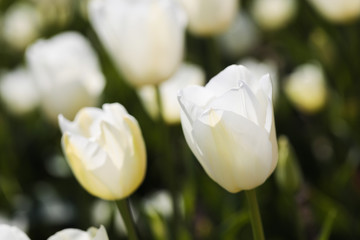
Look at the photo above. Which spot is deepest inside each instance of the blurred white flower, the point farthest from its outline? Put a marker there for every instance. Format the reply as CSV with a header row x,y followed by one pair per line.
x,y
67,73
210,17
241,36
187,74
21,25
145,38
338,11
76,234
273,14
306,87
101,212
11,233
159,202
259,69
18,92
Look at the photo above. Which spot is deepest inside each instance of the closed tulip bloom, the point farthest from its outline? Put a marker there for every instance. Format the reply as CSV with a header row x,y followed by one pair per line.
x,y
306,88
273,14
229,126
21,26
210,17
76,234
187,74
67,74
105,150
11,233
338,11
145,38
18,92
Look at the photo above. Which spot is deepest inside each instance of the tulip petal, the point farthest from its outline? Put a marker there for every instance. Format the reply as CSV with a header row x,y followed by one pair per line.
x,y
231,77
238,151
193,99
76,160
240,101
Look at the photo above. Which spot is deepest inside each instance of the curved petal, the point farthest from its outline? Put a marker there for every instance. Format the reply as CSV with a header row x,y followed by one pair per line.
x,y
240,101
192,100
238,151
231,77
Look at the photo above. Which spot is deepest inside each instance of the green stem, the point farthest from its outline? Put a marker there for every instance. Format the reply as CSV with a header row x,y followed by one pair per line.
x,y
124,208
255,215
169,171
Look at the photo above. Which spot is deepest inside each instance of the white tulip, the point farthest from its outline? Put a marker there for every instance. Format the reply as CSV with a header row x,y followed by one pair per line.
x,y
67,73
11,233
187,74
145,38
338,11
18,92
242,36
76,234
229,126
306,87
259,69
21,25
273,14
105,150
210,17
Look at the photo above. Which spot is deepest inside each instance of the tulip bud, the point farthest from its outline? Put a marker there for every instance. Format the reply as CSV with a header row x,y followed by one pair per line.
x,y
12,233
67,73
210,17
76,234
241,37
21,25
145,38
287,174
306,88
18,91
229,126
273,14
105,150
338,11
188,74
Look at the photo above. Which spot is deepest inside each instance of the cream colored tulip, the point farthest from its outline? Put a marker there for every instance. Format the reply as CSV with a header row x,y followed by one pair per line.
x,y
187,74
18,91
21,26
67,73
210,17
241,37
273,14
338,11
306,88
229,126
11,233
105,150
76,234
145,38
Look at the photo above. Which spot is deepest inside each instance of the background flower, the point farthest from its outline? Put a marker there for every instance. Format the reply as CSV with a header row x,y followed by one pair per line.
x,y
144,38
66,72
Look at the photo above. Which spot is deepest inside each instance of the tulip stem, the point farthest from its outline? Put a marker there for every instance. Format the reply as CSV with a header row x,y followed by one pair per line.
x,y
255,215
170,172
124,208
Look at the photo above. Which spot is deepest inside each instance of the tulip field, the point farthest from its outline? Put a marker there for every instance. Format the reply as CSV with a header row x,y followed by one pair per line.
x,y
179,119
